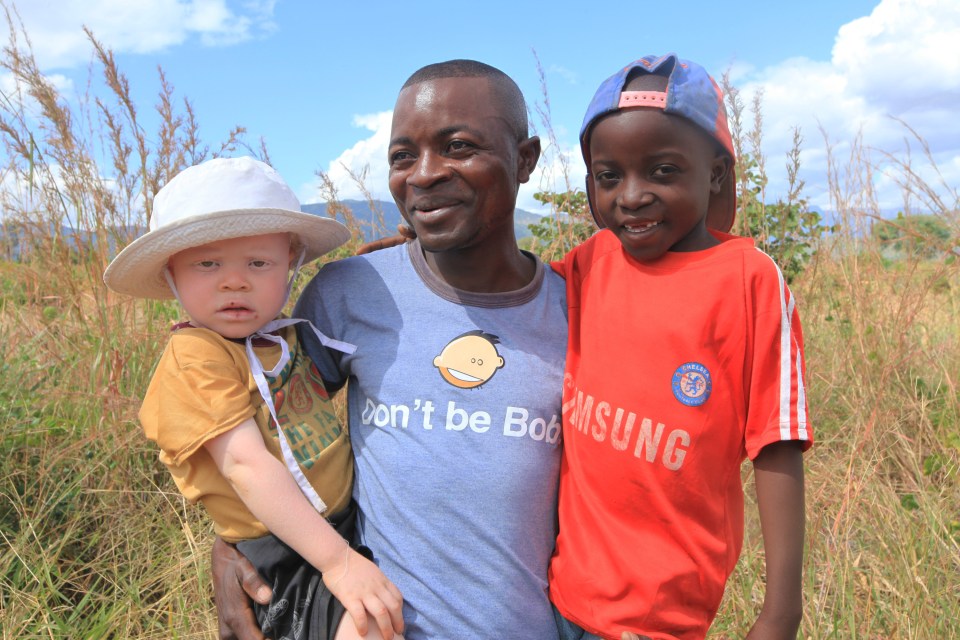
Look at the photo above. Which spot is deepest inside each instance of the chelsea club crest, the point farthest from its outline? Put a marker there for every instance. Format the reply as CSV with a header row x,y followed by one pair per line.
x,y
691,384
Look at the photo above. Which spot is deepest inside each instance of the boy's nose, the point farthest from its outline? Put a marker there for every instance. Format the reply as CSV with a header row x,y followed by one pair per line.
x,y
634,195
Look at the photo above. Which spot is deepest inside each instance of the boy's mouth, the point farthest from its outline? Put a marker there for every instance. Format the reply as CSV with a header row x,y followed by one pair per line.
x,y
639,227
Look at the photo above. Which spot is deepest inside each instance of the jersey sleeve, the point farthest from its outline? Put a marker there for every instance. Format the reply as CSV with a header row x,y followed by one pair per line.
x,y
776,390
197,393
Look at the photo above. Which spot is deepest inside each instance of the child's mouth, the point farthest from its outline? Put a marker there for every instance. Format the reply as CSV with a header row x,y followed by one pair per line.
x,y
641,227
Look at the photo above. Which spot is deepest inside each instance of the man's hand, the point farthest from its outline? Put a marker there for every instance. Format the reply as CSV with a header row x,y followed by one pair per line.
x,y
404,234
235,583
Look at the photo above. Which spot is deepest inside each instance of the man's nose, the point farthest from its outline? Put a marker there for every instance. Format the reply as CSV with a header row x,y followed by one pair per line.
x,y
429,168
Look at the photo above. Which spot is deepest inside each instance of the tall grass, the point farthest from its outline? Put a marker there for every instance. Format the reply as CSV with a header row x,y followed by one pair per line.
x,y
97,542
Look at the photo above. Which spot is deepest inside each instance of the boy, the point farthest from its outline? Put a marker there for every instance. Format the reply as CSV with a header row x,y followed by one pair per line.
x,y
684,356
223,239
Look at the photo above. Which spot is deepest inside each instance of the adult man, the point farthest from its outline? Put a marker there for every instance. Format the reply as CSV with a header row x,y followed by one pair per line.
x,y
456,467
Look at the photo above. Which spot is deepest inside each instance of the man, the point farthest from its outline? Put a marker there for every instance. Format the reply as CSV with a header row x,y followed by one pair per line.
x,y
456,467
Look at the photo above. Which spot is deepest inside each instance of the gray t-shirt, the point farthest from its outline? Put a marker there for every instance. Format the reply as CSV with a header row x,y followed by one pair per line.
x,y
454,412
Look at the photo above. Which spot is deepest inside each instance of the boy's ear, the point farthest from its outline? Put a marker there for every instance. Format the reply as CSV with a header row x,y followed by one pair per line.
x,y
719,170
528,153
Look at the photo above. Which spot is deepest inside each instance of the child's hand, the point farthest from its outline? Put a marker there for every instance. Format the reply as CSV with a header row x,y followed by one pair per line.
x,y
362,588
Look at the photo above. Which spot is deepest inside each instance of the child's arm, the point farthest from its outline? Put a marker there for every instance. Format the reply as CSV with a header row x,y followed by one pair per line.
x,y
778,471
272,495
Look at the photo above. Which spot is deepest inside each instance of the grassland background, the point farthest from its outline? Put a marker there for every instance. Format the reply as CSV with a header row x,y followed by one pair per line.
x,y
95,542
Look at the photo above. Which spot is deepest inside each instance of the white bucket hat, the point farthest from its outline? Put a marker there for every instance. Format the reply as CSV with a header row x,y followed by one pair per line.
x,y
219,199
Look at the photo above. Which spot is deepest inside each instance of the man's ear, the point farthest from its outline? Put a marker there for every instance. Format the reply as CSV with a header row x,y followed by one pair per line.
x,y
528,153
719,170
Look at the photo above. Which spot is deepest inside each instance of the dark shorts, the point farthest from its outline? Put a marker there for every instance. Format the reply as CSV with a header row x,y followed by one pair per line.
x,y
301,608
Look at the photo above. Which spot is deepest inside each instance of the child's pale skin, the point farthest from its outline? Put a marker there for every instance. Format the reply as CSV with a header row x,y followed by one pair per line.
x,y
235,287
653,177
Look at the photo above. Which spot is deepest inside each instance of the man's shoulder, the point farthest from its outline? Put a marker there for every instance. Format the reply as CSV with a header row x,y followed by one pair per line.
x,y
358,265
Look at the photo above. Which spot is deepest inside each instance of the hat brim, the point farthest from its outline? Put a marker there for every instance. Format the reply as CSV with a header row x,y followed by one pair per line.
x,y
138,269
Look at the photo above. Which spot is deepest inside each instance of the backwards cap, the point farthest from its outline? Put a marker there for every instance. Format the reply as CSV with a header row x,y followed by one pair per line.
x,y
692,94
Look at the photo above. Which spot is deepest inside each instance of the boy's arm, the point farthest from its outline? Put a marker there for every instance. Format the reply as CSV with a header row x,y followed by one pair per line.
x,y
272,495
778,474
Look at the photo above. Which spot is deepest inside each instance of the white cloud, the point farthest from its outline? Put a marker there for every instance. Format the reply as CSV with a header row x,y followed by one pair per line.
x,y
55,26
367,158
898,66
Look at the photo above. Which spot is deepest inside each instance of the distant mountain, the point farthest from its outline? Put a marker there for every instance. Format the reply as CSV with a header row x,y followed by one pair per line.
x,y
383,219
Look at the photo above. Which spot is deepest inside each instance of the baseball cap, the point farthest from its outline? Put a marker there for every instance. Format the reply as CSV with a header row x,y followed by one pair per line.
x,y
692,94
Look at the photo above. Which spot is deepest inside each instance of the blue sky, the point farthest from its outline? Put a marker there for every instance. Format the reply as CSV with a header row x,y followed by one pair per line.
x,y
317,80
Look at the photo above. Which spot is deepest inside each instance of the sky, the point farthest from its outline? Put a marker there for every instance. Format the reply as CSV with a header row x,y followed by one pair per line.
x,y
317,80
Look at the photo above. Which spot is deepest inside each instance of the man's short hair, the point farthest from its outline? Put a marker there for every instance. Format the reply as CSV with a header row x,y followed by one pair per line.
x,y
511,98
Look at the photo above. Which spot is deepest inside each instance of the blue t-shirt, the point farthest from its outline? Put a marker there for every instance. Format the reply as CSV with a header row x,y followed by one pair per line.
x,y
454,414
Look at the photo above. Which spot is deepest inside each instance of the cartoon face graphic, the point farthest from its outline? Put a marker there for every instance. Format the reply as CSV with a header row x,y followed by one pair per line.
x,y
469,360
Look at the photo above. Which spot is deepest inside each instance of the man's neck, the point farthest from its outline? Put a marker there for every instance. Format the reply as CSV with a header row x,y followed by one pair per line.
x,y
482,271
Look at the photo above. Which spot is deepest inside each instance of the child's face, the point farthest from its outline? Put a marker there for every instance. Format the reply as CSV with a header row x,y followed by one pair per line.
x,y
653,176
234,286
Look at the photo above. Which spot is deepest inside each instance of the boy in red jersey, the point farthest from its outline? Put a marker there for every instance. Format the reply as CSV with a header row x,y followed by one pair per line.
x,y
685,356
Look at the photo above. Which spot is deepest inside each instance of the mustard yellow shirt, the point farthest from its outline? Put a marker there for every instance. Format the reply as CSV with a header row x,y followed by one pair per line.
x,y
203,387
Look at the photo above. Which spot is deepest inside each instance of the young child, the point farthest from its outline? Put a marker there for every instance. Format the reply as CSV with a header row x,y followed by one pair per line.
x,y
224,238
685,355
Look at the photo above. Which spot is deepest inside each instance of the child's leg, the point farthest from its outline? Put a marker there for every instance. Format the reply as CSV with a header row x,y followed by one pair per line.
x,y
348,630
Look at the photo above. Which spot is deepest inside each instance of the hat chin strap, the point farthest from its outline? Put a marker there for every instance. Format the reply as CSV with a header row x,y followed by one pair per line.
x,y
267,332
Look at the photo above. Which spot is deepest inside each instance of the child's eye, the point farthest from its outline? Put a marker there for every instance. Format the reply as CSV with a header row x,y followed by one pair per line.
x,y
206,264
665,170
606,178
259,264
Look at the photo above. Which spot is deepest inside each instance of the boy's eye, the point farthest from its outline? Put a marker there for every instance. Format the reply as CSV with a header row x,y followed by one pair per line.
x,y
606,177
259,264
665,170
206,264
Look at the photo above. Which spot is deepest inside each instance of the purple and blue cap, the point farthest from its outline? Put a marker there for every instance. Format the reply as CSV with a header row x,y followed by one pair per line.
x,y
692,94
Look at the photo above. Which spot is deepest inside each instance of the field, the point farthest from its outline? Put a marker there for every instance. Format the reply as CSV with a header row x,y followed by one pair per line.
x,y
95,542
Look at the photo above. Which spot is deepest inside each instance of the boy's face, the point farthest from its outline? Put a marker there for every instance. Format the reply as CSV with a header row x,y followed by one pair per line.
x,y
234,286
653,177
456,164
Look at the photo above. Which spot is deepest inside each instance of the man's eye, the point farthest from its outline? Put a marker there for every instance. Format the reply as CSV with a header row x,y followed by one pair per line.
x,y
400,156
459,145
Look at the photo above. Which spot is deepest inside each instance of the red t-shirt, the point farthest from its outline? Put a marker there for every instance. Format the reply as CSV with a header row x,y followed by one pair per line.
x,y
676,371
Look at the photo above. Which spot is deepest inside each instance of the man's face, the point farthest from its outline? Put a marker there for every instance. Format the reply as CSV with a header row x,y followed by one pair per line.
x,y
456,164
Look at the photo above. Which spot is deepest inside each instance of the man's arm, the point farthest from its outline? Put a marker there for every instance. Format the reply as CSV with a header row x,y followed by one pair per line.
x,y
778,471
235,583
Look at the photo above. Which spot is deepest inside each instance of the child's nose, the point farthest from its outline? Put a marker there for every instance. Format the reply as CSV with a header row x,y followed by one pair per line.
x,y
634,195
234,280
